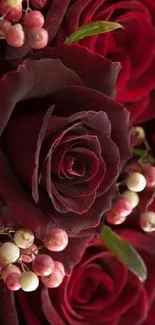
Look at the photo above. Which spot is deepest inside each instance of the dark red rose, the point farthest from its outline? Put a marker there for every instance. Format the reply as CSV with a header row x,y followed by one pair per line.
x,y
100,290
133,46
64,141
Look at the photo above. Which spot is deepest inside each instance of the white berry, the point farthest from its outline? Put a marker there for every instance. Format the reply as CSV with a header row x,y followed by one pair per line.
x,y
139,132
29,281
9,252
147,221
132,197
23,238
136,182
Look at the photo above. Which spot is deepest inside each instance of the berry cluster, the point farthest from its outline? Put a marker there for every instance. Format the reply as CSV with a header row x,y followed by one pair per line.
x,y
139,175
21,249
18,25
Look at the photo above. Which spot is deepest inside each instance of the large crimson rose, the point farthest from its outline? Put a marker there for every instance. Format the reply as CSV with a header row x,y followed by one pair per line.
x,y
133,46
65,141
99,291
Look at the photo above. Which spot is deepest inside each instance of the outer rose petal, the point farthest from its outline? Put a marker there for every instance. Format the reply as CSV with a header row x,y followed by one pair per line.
x,y
28,81
8,312
96,71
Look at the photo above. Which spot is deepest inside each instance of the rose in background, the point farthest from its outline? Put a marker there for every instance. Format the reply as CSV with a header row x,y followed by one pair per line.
x,y
64,143
100,290
133,46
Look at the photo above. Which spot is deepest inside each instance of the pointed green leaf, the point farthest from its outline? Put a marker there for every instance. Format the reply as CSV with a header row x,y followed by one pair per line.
x,y
93,28
124,252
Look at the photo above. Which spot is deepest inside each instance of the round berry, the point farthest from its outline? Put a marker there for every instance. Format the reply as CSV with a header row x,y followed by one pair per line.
x,y
54,280
5,25
132,197
13,14
133,167
121,206
149,174
147,221
29,281
139,133
9,252
43,265
34,19
136,182
29,254
10,268
56,240
59,265
38,38
114,219
15,36
12,3
12,281
24,238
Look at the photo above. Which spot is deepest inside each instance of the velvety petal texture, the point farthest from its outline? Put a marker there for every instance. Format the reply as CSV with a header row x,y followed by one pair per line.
x,y
100,290
63,143
133,46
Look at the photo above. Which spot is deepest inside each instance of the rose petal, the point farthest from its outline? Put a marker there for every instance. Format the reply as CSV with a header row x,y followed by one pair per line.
x,y
49,75
8,312
97,102
96,71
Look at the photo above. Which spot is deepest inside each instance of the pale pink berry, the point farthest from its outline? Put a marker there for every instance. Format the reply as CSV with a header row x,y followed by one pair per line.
x,y
136,182
121,206
23,238
43,265
147,221
59,265
54,280
12,3
5,25
15,36
133,167
38,38
114,219
29,281
132,197
149,174
29,254
9,253
11,14
39,4
10,268
34,19
56,240
12,281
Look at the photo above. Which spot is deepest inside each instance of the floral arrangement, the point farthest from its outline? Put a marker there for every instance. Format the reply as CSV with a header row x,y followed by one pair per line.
x,y
77,162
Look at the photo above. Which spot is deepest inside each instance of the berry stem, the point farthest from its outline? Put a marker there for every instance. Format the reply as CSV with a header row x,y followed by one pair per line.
x,y
23,266
28,7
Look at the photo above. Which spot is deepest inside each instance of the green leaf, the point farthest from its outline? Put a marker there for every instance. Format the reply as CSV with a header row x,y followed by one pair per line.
x,y
139,152
124,252
93,28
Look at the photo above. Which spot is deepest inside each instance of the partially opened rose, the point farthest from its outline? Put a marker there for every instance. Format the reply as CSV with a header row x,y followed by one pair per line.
x,y
65,141
100,290
133,46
